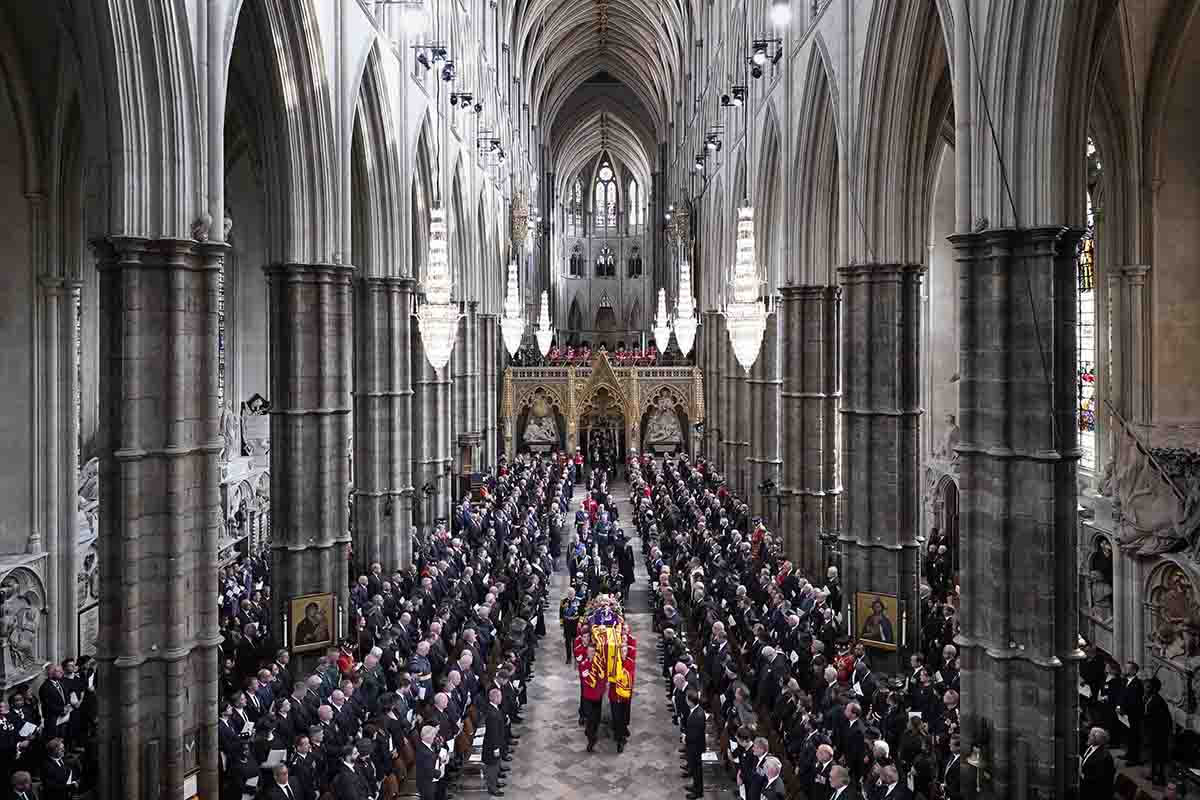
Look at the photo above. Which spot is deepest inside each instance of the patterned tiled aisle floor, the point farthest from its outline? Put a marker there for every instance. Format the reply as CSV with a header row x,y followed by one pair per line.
x,y
551,760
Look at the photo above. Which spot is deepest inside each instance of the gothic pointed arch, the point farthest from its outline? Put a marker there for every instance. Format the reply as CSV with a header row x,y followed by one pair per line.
x,y
276,59
375,165
816,201
422,198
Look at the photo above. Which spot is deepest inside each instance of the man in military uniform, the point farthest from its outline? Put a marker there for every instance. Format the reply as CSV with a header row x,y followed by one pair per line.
x,y
568,617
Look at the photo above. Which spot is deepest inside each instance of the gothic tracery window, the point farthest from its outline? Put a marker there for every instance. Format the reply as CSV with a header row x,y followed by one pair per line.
x,y
606,263
576,261
1086,324
635,262
633,205
575,210
604,197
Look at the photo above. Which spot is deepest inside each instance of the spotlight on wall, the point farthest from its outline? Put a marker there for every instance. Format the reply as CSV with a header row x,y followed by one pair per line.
x,y
423,59
735,97
712,143
439,56
698,165
760,52
756,72
479,107
781,13
448,71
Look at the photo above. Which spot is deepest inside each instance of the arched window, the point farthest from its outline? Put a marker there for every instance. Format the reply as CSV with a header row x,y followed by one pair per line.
x,y
635,262
1086,323
577,261
575,210
604,197
633,205
606,263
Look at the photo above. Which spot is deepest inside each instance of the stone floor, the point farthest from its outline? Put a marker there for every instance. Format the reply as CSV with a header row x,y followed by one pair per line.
x,y
552,762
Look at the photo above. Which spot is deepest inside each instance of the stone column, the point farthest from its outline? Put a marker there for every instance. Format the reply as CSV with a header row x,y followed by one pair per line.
x,y
1018,453
158,443
382,423
708,358
487,393
58,462
810,396
311,339
880,438
431,431
763,386
1129,321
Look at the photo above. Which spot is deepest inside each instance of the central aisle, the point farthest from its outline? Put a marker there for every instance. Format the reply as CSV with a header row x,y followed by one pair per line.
x,y
552,761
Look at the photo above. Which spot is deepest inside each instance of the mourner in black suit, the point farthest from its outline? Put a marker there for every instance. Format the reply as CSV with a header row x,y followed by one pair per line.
x,y
493,741
1158,725
427,768
694,743
281,787
1097,772
22,786
1132,705
60,775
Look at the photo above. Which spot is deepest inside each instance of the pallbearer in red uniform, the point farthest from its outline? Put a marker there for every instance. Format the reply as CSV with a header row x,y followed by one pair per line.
x,y
579,648
592,684
620,693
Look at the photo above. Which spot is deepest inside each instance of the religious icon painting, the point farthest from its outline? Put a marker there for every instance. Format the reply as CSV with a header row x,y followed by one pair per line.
x,y
311,620
877,619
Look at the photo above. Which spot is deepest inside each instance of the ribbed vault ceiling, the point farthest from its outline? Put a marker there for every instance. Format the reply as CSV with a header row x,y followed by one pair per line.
x,y
559,45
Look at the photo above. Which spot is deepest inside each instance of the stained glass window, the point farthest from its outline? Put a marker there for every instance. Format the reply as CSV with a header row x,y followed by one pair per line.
x,y
606,263
575,210
633,205
1086,332
604,198
79,379
221,336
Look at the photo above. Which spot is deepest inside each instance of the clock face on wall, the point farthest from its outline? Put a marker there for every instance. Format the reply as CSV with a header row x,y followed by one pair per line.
x,y
606,173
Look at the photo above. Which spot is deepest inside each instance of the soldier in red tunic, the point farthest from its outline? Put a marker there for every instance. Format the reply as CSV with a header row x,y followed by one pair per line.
x,y
592,684
620,694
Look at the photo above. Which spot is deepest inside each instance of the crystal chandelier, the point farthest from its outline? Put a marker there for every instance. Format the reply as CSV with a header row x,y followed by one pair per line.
x,y
545,334
685,310
437,317
745,315
662,322
512,324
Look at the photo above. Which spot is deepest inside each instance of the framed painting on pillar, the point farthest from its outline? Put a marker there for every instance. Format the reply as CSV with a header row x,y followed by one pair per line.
x,y
877,618
311,619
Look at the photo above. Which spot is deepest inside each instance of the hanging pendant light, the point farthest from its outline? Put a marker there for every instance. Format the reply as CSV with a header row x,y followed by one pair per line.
x,y
512,325
545,334
745,316
437,317
662,323
685,310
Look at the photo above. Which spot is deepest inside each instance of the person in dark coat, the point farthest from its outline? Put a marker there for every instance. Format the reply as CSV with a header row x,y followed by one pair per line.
x,y
428,771
1158,724
60,775
348,784
493,741
1132,704
694,743
1097,771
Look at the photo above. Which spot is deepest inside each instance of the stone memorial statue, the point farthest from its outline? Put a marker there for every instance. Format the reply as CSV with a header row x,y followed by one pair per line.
x,y
20,615
256,426
540,427
1155,519
89,496
663,426
231,432
946,448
